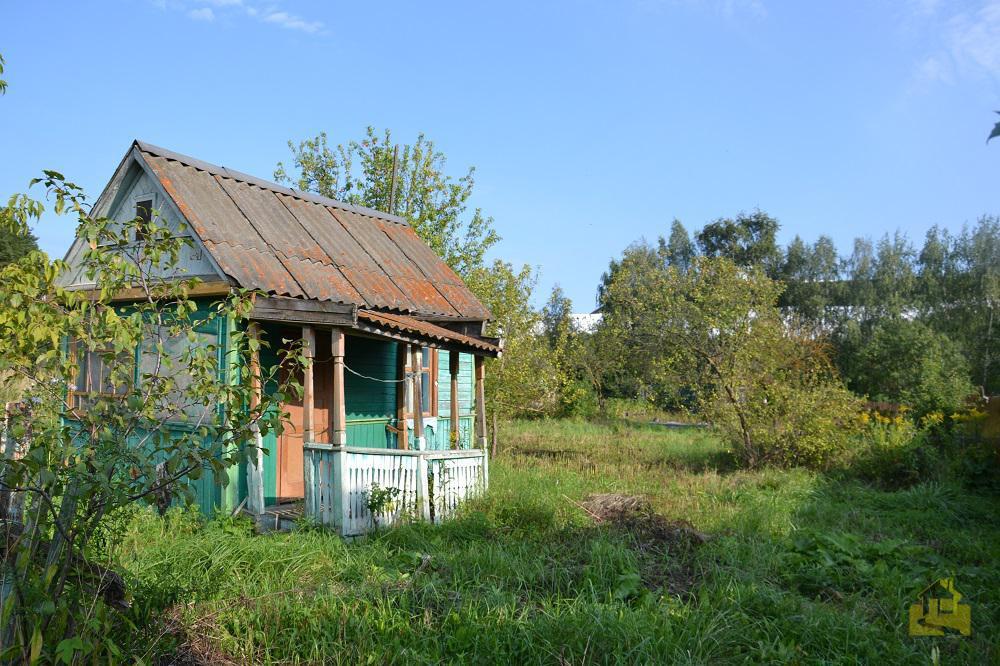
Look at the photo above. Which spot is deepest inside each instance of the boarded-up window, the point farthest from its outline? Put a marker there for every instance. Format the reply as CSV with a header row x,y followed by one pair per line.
x,y
166,358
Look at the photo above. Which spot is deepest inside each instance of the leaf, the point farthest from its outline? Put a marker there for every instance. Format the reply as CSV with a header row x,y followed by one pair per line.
x,y
995,133
36,645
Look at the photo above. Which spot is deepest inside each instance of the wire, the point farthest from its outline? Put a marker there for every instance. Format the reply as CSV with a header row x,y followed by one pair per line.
x,y
376,379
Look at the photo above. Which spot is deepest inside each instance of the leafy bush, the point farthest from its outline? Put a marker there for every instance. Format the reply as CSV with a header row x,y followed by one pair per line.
x,y
794,411
578,399
905,361
893,451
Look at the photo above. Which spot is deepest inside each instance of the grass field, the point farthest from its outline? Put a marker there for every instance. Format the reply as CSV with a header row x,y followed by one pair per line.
x,y
796,568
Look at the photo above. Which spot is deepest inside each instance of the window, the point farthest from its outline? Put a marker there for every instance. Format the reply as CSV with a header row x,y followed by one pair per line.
x,y
143,211
105,373
102,372
428,383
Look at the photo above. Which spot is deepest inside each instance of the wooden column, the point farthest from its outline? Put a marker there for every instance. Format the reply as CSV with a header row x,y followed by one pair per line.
x,y
418,408
480,403
402,359
453,359
308,385
255,464
338,425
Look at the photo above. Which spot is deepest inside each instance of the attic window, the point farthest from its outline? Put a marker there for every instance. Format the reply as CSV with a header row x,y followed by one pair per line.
x,y
144,213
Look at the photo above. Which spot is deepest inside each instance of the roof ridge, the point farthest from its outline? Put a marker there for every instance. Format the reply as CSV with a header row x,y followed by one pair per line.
x,y
242,177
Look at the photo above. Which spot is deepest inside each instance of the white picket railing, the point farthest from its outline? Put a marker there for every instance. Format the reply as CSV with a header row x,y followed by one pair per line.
x,y
430,484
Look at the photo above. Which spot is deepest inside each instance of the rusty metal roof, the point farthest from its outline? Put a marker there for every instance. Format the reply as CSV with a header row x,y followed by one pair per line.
x,y
291,243
384,323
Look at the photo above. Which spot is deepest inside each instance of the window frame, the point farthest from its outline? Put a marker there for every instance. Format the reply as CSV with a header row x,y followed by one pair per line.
x,y
136,199
431,370
78,395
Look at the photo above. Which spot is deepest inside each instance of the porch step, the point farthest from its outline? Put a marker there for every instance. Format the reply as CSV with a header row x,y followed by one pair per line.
x,y
280,517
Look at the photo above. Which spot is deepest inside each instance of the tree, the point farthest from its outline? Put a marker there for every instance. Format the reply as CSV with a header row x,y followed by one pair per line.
x,y
905,361
3,84
747,240
15,245
409,181
678,251
523,381
994,134
716,330
556,320
73,465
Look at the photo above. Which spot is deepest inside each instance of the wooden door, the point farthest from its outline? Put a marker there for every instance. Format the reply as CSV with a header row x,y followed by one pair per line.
x,y
289,468
290,485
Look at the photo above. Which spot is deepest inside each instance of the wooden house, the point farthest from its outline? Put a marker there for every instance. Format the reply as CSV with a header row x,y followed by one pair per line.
x,y
369,300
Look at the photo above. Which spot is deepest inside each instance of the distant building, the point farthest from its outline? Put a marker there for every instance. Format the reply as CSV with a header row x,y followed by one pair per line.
x,y
586,322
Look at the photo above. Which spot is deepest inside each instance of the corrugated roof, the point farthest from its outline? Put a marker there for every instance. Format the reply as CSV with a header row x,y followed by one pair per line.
x,y
297,244
386,322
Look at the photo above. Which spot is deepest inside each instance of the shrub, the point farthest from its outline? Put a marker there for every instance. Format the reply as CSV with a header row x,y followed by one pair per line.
x,y
893,451
905,361
578,399
795,411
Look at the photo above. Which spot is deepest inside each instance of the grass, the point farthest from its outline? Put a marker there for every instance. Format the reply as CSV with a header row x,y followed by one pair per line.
x,y
799,568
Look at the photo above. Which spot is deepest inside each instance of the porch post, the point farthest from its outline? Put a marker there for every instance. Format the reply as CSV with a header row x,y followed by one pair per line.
x,y
338,436
453,359
480,403
308,395
308,418
418,409
255,466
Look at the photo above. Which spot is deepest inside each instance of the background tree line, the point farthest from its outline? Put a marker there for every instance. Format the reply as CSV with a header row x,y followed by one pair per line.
x,y
887,306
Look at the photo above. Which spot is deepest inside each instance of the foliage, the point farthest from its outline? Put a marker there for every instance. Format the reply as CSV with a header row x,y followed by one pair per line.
x,y
798,568
132,369
409,181
994,134
523,381
905,361
378,500
746,240
893,452
715,331
3,83
15,245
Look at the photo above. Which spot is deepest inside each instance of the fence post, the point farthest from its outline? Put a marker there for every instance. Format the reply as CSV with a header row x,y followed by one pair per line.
x,y
342,492
486,470
423,489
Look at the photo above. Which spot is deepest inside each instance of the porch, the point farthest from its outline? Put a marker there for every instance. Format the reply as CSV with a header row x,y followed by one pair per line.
x,y
383,430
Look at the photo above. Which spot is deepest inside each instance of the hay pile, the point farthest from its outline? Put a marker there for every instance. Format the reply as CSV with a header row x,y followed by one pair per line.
x,y
663,546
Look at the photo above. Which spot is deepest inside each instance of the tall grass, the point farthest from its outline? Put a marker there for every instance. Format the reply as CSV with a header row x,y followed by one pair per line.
x,y
799,568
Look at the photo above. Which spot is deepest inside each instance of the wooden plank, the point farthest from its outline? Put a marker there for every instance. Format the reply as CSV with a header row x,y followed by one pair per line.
x,y
302,305
418,409
402,439
255,466
308,384
338,413
480,373
208,288
453,361
294,317
423,489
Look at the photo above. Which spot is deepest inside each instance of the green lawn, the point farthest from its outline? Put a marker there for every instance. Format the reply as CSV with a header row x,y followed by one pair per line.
x,y
797,568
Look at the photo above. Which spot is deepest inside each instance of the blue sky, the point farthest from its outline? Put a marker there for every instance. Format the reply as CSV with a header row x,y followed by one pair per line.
x,y
591,124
